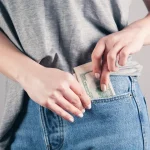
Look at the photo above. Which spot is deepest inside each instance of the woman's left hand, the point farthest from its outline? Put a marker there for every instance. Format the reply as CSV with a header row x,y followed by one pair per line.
x,y
116,47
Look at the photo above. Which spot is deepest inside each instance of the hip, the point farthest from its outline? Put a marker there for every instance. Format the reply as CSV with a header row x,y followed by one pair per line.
x,y
118,122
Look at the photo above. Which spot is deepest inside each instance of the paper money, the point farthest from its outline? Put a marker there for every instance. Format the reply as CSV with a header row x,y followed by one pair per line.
x,y
131,68
86,78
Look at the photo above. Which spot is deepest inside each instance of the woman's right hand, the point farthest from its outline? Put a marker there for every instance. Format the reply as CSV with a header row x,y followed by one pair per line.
x,y
56,90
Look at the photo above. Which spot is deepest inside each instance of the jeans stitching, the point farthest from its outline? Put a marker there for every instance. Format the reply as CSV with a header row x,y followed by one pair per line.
x,y
61,132
117,97
133,80
46,139
144,135
146,109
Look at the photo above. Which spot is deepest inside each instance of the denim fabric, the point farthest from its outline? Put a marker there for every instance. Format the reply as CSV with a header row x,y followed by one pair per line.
x,y
120,122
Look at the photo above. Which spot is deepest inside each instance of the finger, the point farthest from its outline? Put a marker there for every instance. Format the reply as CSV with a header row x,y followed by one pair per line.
x,y
73,98
59,111
80,92
97,57
63,103
123,55
104,79
112,57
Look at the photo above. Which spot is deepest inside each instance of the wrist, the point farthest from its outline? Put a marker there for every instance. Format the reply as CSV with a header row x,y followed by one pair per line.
x,y
27,73
143,26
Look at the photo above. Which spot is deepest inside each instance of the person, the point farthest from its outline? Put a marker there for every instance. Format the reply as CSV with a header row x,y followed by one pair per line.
x,y
44,105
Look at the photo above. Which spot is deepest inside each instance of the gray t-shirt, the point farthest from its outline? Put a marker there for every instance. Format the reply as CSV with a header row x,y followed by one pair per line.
x,y
69,29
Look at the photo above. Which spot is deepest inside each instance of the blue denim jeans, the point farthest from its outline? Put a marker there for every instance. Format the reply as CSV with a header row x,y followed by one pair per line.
x,y
120,122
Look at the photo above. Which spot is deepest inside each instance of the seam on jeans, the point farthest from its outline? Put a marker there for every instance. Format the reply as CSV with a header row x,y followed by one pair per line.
x,y
61,133
46,139
143,129
109,99
138,109
60,126
146,109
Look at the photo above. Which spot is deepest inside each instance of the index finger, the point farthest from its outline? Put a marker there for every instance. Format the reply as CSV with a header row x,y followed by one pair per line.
x,y
97,57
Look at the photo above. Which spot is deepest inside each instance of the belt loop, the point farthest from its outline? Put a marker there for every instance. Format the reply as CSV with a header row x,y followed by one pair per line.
x,y
133,85
132,79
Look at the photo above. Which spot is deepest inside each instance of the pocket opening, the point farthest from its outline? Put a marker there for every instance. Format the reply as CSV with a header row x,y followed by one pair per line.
x,y
124,96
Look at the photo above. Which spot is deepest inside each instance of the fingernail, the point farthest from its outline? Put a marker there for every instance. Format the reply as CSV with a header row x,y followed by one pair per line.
x,y
71,119
80,115
89,106
97,75
103,87
83,110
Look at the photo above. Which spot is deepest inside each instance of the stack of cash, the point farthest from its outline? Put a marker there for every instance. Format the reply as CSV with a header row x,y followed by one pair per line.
x,y
86,78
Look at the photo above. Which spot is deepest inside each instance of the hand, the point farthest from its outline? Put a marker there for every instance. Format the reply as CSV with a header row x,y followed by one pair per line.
x,y
56,90
115,47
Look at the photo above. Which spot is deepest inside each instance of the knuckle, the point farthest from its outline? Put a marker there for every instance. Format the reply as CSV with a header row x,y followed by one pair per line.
x,y
68,76
80,93
47,103
100,42
68,107
113,39
104,80
96,69
59,112
110,56
112,68
122,63
108,40
62,87
53,95
95,56
75,102
44,103
65,115
123,54
75,112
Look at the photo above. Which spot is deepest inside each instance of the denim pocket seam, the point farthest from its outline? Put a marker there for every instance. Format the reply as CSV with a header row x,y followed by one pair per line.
x,y
45,132
140,120
61,127
114,98
139,109
146,108
46,139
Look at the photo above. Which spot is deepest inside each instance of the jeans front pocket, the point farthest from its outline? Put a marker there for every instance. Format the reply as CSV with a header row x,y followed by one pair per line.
x,y
113,98
111,124
52,125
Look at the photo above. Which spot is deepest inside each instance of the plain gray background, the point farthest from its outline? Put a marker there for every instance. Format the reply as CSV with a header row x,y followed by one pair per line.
x,y
137,11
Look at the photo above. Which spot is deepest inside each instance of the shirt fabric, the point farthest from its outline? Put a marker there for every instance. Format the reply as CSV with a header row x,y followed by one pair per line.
x,y
69,29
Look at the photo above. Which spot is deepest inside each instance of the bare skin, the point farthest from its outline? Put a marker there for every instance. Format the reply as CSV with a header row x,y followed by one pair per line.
x,y
52,88
67,94
118,46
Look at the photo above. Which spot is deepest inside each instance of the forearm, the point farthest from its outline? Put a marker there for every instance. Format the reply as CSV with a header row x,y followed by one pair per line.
x,y
144,26
13,63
